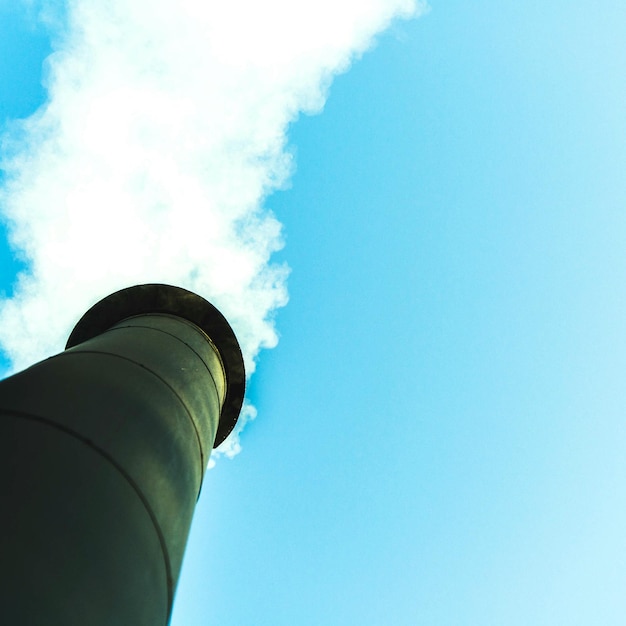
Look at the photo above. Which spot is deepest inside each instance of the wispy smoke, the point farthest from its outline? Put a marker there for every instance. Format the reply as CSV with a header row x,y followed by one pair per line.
x,y
163,133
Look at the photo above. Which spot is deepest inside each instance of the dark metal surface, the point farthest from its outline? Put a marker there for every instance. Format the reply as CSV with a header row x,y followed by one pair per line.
x,y
158,298
103,449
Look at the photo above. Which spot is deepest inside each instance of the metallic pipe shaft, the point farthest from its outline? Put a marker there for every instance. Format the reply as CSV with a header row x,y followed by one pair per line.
x,y
102,454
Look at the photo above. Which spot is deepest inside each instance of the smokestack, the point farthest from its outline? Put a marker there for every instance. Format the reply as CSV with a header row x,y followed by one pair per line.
x,y
103,449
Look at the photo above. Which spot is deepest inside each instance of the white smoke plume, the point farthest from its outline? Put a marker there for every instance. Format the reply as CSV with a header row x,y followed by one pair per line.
x,y
163,133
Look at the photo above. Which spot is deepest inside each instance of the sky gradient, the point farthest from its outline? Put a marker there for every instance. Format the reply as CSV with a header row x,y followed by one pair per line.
x,y
440,436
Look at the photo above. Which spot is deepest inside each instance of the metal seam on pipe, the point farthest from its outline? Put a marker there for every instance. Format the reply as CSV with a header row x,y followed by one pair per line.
x,y
165,332
147,369
89,443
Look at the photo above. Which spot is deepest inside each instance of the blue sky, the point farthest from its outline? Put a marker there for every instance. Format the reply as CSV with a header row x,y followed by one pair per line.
x,y
440,436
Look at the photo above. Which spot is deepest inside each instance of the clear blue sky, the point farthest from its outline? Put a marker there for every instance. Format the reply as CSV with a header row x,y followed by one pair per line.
x,y
441,438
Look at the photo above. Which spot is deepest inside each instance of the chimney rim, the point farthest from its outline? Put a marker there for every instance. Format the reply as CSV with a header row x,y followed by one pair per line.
x,y
155,298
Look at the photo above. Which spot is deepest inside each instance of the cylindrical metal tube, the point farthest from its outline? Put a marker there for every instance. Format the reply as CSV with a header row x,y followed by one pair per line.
x,y
103,449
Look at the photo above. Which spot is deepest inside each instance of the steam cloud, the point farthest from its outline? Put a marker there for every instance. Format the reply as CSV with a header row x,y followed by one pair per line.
x,y
163,133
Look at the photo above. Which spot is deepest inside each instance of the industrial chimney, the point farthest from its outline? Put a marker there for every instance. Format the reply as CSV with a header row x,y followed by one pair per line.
x,y
103,449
